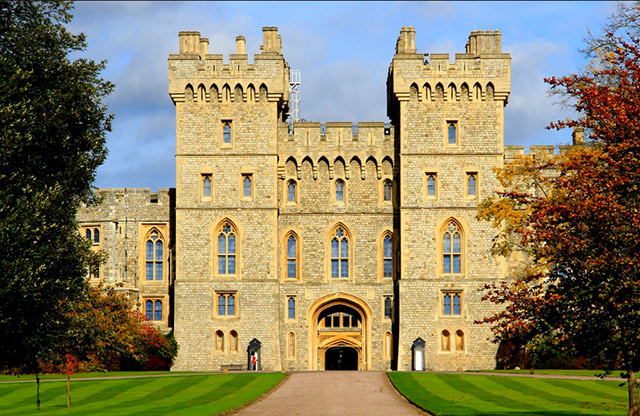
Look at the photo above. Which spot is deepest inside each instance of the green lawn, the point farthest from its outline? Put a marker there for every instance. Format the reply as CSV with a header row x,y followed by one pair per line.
x,y
4,377
554,372
180,394
471,394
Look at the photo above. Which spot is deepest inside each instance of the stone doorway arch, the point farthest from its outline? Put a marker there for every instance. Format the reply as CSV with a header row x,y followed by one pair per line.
x,y
353,318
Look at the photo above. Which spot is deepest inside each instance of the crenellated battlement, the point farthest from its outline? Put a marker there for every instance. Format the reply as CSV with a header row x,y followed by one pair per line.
x,y
336,142
482,73
197,75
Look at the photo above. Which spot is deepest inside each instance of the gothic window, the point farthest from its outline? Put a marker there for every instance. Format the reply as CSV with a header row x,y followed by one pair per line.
x,y
148,309
339,254
226,132
452,132
226,303
206,186
431,184
387,256
452,303
388,305
219,341
451,249
445,341
226,240
88,234
472,182
339,190
292,256
459,340
291,191
386,192
154,256
291,307
233,341
96,235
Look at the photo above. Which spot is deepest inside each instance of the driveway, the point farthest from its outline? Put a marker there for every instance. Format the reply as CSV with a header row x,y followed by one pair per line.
x,y
330,393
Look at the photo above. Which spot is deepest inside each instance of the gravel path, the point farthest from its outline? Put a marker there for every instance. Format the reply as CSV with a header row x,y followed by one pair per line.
x,y
330,393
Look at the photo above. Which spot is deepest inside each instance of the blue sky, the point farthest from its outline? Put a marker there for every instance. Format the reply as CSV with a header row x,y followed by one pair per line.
x,y
343,50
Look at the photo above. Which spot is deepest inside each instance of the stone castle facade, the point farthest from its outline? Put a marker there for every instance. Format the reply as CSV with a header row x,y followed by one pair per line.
x,y
322,246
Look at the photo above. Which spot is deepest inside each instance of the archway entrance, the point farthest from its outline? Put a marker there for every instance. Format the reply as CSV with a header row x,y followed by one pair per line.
x,y
339,328
341,358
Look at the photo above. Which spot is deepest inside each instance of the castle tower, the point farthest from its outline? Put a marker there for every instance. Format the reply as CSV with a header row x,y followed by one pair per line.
x,y
227,116
449,129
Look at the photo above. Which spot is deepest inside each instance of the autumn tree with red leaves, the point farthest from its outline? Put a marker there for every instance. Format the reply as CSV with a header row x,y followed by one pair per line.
x,y
574,221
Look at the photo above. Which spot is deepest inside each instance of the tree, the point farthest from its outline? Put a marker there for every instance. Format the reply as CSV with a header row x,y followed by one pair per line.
x,y
104,332
52,139
575,219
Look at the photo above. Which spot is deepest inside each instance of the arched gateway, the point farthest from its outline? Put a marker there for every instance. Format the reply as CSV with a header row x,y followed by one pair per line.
x,y
339,333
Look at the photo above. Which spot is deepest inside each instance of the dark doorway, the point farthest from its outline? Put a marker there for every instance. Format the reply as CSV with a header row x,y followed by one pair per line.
x,y
341,358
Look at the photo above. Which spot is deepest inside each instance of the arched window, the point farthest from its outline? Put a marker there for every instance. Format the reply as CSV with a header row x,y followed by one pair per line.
x,y
96,235
233,341
471,184
148,309
227,236
157,311
386,193
446,341
291,191
226,132
87,234
219,341
339,254
339,190
291,340
387,344
206,186
291,307
451,249
459,340
387,256
154,256
292,256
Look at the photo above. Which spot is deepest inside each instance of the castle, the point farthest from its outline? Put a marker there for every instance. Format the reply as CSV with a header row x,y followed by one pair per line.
x,y
321,246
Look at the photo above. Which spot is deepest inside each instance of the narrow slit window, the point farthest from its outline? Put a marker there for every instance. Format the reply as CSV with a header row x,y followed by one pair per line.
x,y
291,191
291,308
339,191
452,132
387,187
472,179
387,307
387,257
226,133
246,186
431,184
292,258
206,186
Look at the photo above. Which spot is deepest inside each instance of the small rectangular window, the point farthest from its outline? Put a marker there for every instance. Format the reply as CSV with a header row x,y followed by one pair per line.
x,y
226,132
387,307
472,184
247,186
452,132
291,307
431,184
452,303
227,304
206,186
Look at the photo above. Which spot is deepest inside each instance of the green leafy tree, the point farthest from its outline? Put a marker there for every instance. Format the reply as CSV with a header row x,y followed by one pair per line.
x,y
576,219
52,139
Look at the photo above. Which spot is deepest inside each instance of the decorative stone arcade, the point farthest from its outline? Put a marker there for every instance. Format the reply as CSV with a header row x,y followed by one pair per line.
x,y
339,329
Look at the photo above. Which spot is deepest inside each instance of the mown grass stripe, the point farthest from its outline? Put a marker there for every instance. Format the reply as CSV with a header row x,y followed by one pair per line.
x,y
574,388
423,395
484,396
